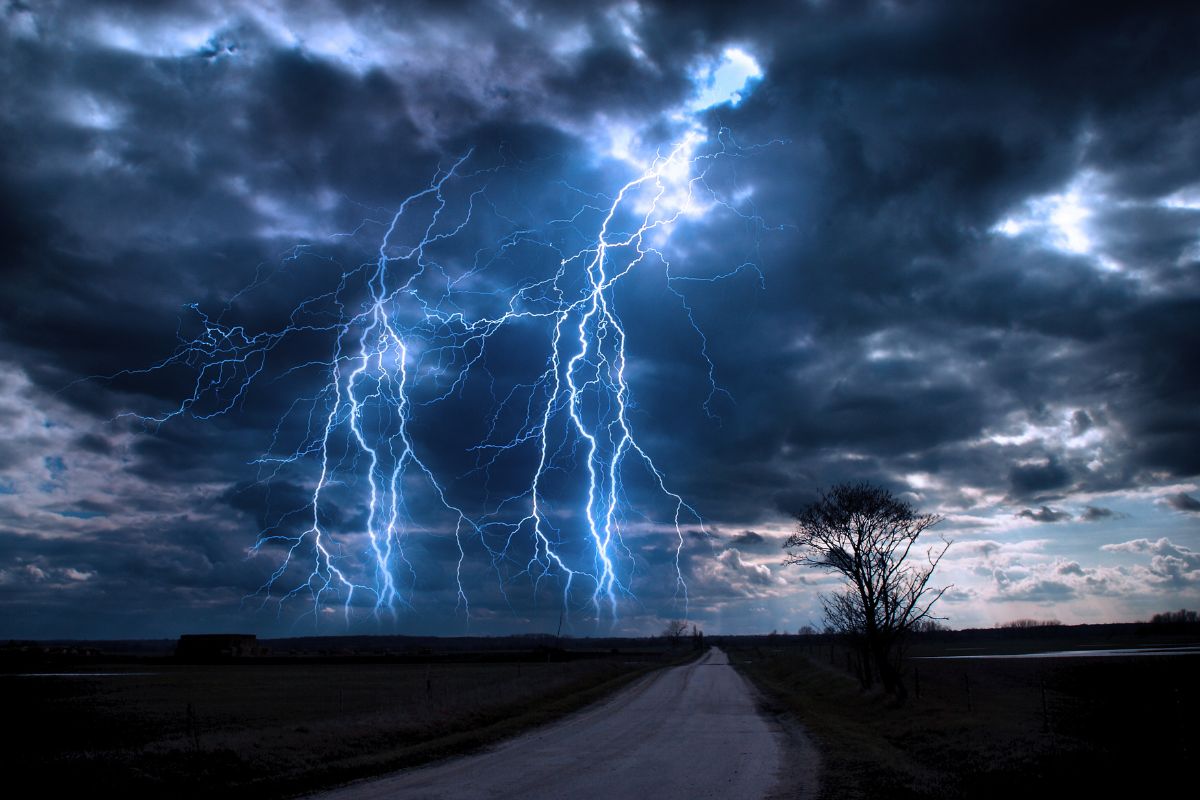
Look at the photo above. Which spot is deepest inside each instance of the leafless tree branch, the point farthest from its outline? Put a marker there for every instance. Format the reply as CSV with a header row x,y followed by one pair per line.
x,y
867,535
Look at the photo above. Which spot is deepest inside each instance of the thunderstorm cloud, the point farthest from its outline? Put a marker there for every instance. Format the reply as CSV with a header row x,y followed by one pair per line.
x,y
960,257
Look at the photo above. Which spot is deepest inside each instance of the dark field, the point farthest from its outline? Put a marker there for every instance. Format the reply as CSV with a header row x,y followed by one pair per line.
x,y
990,728
279,729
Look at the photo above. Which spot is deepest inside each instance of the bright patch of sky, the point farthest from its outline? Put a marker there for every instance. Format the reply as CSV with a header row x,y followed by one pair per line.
x,y
726,80
81,514
55,466
1067,428
88,110
1187,198
1065,220
1060,219
625,18
165,37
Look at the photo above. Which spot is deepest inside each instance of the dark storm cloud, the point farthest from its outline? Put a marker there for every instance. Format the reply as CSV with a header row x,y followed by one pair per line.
x,y
747,539
1184,502
1038,478
898,249
1097,513
1045,514
157,157
1081,423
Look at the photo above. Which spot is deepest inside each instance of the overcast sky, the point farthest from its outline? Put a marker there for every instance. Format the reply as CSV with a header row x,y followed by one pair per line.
x,y
949,248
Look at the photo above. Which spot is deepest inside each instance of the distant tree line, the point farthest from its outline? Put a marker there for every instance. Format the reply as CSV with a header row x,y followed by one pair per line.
x,y
1181,617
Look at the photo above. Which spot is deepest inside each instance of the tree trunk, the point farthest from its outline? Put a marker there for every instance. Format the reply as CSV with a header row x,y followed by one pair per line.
x,y
868,666
889,671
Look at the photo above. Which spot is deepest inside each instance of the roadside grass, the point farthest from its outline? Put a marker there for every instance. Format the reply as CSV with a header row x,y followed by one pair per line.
x,y
1107,725
280,730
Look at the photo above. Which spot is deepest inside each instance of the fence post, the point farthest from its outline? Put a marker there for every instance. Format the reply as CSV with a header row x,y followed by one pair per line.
x,y
967,683
917,681
1045,711
193,727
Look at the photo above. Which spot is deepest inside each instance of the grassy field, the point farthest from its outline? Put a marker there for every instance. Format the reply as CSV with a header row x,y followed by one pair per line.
x,y
275,730
990,728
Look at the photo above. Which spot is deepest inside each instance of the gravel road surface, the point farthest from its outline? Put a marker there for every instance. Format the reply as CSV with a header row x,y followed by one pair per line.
x,y
678,734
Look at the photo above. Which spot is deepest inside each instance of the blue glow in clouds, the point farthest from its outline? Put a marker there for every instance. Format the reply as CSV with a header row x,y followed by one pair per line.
x,y
397,346
725,81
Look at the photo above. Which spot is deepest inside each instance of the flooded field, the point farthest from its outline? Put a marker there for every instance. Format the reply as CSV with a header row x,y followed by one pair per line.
x,y
1099,652
1070,718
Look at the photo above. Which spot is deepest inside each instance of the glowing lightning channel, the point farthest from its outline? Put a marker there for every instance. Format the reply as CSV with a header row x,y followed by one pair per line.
x,y
360,420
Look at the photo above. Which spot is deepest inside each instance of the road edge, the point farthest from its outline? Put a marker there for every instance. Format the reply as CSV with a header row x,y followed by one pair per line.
x,y
801,764
478,740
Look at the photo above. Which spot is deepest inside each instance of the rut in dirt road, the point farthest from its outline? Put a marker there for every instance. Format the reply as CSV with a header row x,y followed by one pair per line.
x,y
682,733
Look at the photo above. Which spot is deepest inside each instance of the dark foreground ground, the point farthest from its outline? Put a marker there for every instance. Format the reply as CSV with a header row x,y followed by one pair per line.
x,y
990,728
319,713
152,727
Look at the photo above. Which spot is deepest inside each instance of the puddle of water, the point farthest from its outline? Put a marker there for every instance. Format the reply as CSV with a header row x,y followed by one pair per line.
x,y
79,674
1115,652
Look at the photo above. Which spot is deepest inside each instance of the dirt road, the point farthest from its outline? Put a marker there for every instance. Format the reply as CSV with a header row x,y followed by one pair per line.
x,y
686,732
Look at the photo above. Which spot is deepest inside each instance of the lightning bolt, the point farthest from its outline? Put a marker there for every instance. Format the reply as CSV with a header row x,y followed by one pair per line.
x,y
402,340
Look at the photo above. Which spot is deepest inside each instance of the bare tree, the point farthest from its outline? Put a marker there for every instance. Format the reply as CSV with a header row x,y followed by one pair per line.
x,y
675,629
868,535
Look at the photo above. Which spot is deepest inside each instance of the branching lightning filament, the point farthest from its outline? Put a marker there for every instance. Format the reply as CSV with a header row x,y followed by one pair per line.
x,y
418,332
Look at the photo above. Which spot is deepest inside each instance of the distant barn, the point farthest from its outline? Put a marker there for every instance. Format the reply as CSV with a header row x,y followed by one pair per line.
x,y
218,646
